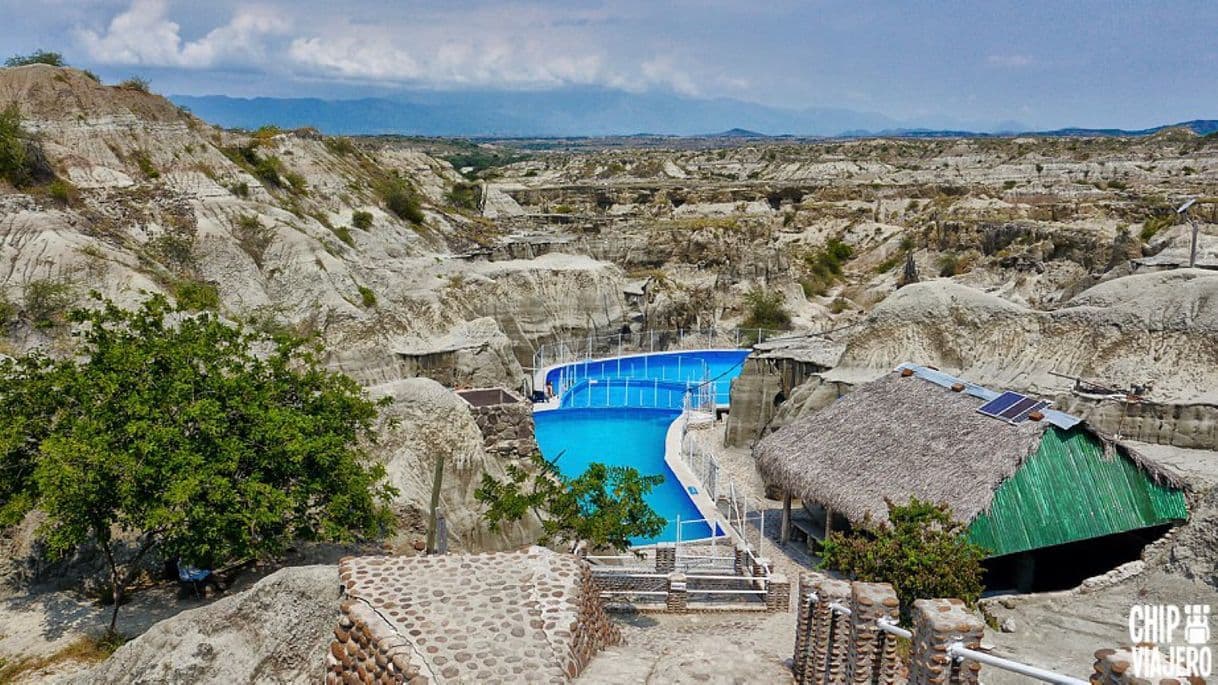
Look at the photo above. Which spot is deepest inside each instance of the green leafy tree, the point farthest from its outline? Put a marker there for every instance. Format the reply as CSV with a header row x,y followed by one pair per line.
x,y
181,435
604,507
924,554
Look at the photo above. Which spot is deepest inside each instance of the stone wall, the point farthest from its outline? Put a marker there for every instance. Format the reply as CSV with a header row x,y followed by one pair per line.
x,y
507,428
532,616
1115,667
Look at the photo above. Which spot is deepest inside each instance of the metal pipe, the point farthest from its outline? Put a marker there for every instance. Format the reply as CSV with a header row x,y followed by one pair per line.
x,y
839,609
958,651
890,626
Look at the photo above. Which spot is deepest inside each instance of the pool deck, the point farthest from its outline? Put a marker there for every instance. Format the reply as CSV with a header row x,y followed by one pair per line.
x,y
672,457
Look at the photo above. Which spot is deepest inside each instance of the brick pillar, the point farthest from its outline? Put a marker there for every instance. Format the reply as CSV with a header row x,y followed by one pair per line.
x,y
666,559
675,602
759,571
937,624
873,653
809,583
742,561
828,636
778,593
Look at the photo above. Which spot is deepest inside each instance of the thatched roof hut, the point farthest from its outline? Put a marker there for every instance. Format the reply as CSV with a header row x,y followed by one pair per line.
x,y
917,433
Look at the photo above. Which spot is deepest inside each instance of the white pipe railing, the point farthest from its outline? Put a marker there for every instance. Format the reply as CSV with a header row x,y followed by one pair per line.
x,y
958,652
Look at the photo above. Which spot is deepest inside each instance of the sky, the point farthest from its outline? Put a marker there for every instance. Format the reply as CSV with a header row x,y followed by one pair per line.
x,y
1043,63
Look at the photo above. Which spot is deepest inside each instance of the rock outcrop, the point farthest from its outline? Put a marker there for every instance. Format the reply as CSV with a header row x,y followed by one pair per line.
x,y
427,422
275,632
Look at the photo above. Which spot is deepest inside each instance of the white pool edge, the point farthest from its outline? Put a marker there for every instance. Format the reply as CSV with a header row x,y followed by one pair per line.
x,y
672,458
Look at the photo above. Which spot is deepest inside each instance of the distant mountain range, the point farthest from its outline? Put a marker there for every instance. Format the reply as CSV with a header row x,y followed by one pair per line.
x,y
578,112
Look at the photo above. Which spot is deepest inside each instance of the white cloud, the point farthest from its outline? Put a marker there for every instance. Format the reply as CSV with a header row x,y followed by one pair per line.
x,y
144,35
1010,61
358,53
662,72
519,45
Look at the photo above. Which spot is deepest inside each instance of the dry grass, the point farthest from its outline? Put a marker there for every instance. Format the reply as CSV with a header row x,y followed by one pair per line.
x,y
83,650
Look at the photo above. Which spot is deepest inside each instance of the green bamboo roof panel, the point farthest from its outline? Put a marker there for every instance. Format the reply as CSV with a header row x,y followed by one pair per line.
x,y
1069,490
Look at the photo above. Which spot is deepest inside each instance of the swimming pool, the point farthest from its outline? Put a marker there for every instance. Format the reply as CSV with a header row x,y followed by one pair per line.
x,y
617,412
621,437
718,366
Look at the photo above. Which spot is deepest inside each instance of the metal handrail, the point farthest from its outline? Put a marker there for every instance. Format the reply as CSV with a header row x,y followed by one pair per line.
x,y
959,652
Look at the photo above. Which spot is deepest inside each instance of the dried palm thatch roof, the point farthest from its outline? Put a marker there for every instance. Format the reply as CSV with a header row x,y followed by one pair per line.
x,y
900,437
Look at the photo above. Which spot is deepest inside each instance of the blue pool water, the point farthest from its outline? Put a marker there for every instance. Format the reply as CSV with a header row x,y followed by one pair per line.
x,y
655,394
617,412
621,437
720,366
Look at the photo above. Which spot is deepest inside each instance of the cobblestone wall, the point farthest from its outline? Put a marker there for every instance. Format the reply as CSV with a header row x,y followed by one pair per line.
x,y
533,616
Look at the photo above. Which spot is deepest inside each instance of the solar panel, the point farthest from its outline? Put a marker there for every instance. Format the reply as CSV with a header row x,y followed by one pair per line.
x,y
1012,407
999,404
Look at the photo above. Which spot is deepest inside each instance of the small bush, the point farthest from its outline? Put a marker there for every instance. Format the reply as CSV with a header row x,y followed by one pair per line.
x,y
1154,224
825,266
196,295
175,250
344,234
949,265
15,162
400,199
144,162
924,554
46,301
36,57
839,305
296,183
253,237
135,83
464,196
94,77
241,190
341,146
765,310
61,191
361,220
367,296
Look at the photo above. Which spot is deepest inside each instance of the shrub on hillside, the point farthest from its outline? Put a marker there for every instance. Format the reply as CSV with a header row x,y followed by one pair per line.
x,y
135,83
21,160
400,199
36,57
923,554
361,220
765,310
824,266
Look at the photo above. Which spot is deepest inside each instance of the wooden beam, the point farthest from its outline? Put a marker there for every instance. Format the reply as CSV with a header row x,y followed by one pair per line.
x,y
785,534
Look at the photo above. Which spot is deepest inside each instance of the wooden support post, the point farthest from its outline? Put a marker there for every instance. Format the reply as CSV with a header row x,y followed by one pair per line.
x,y
435,504
828,522
784,535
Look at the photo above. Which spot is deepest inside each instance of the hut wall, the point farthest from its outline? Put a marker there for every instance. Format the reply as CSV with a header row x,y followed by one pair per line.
x,y
1069,490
